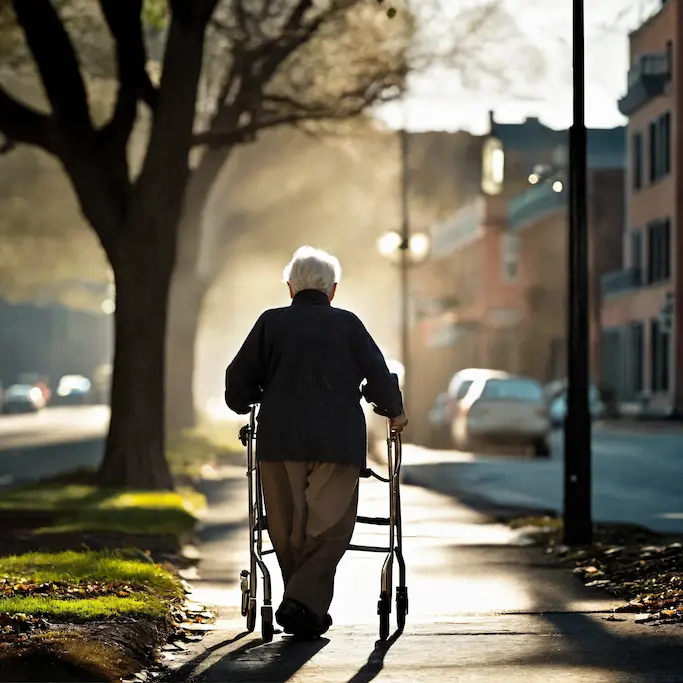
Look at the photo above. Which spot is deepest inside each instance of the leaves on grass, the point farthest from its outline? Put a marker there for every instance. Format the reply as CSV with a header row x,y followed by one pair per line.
x,y
64,590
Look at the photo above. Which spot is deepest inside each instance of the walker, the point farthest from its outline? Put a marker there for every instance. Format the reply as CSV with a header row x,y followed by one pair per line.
x,y
258,524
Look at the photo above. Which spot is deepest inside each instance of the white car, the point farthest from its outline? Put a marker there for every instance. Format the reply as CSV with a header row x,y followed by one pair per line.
x,y
457,390
74,389
463,379
504,409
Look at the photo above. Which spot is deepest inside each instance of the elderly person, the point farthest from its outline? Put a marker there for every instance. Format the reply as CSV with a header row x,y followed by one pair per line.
x,y
304,364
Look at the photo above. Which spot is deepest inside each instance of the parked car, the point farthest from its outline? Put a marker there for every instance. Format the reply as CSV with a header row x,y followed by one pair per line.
x,y
462,381
35,379
457,390
23,398
557,406
74,390
503,409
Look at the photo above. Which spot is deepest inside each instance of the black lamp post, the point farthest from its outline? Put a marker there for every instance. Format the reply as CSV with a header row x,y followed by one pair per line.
x,y
578,526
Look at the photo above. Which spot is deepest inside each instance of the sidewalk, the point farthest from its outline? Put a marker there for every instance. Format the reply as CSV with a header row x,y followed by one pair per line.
x,y
639,426
483,607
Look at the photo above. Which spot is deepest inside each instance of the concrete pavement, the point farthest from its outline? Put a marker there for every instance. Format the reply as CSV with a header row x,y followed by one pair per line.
x,y
483,607
636,478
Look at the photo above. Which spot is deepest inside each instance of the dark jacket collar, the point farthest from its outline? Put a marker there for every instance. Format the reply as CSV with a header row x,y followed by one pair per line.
x,y
310,297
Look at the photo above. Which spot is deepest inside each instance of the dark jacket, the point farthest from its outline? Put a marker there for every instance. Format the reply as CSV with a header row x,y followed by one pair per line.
x,y
304,364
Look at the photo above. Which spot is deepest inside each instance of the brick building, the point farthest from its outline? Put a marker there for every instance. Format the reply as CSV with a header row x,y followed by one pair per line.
x,y
493,292
644,354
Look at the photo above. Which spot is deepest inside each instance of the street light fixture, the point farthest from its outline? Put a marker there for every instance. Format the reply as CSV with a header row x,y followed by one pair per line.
x,y
391,245
406,250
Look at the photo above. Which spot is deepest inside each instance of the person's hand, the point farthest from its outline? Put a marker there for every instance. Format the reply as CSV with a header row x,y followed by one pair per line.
x,y
398,423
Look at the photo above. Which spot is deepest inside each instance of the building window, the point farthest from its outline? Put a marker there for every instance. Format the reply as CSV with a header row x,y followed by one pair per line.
x,y
660,147
637,160
659,251
659,357
637,254
652,139
665,142
635,359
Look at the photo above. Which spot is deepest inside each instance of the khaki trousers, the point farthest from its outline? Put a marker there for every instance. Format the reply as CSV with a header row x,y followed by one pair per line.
x,y
311,509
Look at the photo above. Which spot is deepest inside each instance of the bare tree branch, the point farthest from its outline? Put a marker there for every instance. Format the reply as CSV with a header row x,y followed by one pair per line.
x,y
57,63
22,124
263,87
196,13
288,112
124,22
6,146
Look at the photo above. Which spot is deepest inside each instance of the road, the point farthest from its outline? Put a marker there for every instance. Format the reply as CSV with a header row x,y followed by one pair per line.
x,y
636,474
636,477
483,608
52,441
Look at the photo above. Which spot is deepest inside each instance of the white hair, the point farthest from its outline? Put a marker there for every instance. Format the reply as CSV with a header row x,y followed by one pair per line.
x,y
312,269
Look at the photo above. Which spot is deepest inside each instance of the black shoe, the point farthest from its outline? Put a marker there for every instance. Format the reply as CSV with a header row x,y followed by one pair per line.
x,y
314,630
292,616
297,620
327,625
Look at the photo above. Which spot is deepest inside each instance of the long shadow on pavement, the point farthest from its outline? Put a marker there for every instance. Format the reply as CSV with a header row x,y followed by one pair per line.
x,y
373,667
580,641
274,662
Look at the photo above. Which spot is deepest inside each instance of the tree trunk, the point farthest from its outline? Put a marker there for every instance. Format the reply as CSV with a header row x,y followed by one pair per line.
x,y
187,299
135,454
194,273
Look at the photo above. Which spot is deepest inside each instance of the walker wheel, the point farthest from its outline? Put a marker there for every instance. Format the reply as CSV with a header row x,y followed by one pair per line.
x,y
401,607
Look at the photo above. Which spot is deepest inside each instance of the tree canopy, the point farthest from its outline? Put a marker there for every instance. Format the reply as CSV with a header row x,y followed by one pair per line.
x,y
266,63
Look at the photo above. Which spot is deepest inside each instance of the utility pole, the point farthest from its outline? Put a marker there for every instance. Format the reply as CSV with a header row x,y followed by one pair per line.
x,y
578,525
405,263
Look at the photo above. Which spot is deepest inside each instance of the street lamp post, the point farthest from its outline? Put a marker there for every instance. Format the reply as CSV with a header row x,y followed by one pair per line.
x,y
408,249
578,525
